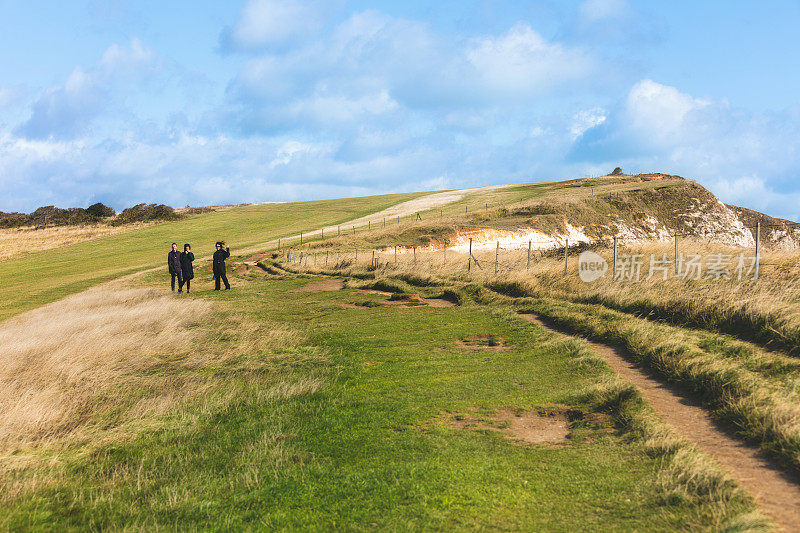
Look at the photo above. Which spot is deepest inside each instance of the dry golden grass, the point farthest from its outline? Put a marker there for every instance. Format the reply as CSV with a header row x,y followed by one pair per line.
x,y
106,358
57,361
18,241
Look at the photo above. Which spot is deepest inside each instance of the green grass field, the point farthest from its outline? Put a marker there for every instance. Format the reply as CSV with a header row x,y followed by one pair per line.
x,y
42,277
344,410
368,446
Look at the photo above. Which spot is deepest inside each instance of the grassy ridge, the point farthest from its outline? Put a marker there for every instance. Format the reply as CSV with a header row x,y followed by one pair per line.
x,y
42,277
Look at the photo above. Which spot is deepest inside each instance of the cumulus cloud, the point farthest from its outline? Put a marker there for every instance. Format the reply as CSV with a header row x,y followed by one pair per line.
x,y
741,155
653,117
378,103
264,24
522,62
372,65
66,110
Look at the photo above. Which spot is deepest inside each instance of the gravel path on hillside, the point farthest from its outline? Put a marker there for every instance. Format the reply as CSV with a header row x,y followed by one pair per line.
x,y
403,209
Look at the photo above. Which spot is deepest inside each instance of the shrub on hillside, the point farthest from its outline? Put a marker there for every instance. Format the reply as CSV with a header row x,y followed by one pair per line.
x,y
146,212
13,220
100,210
55,216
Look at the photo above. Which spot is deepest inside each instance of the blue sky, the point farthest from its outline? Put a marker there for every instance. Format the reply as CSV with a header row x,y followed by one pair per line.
x,y
276,100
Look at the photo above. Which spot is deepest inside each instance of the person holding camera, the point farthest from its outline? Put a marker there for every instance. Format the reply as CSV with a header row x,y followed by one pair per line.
x,y
174,264
186,266
219,265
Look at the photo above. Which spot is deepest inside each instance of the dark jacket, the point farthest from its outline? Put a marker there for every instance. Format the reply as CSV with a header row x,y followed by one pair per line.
x,y
174,262
186,265
219,260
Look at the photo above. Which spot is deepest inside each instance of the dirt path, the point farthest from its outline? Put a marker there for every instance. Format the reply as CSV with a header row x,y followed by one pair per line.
x,y
776,492
403,209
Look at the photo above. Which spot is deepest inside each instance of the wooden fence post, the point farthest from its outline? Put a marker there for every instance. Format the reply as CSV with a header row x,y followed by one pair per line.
x,y
469,257
676,252
529,256
758,250
614,274
496,258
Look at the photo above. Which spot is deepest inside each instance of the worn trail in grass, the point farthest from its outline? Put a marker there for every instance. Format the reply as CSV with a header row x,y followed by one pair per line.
x,y
775,490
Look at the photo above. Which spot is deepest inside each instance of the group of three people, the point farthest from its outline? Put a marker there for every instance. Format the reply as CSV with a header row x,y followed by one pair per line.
x,y
181,268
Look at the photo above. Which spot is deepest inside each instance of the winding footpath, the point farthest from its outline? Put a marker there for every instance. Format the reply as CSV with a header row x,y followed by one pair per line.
x,y
775,491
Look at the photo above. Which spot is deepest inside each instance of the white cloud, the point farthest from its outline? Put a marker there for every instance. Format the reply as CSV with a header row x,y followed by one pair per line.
x,y
586,119
372,65
66,111
286,153
134,60
267,23
660,110
523,62
745,157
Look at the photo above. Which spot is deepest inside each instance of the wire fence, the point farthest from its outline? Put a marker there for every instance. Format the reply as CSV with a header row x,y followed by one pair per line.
x,y
627,259
519,248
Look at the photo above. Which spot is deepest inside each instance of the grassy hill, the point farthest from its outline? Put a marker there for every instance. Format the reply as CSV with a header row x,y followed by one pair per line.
x,y
397,396
41,277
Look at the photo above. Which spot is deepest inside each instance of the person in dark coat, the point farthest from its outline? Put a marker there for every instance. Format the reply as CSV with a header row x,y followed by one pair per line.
x,y
219,265
174,264
186,265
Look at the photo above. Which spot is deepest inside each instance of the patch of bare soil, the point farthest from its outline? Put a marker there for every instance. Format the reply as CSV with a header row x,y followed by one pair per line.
x,y
242,268
373,291
530,427
776,491
438,302
491,343
321,285
404,301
